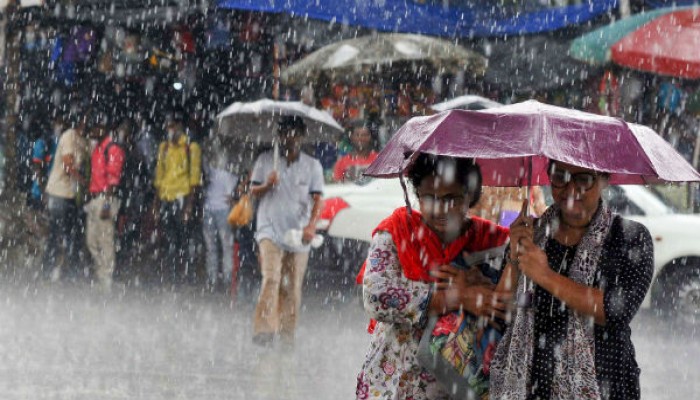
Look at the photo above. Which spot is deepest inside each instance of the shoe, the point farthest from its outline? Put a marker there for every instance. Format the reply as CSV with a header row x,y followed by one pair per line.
x,y
263,339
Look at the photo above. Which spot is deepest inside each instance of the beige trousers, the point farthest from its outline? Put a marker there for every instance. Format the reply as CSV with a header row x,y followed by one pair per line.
x,y
280,295
100,239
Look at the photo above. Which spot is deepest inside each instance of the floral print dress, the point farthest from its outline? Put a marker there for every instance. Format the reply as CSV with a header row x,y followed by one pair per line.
x,y
399,305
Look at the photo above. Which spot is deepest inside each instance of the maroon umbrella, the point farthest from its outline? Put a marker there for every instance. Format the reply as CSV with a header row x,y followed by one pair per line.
x,y
509,141
513,145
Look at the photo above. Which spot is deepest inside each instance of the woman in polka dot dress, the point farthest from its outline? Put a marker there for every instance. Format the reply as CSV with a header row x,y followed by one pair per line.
x,y
591,271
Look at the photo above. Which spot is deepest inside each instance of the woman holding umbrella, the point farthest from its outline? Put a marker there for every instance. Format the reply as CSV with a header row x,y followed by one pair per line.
x,y
591,270
413,271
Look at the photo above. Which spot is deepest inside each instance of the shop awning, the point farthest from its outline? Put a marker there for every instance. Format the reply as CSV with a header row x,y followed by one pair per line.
x,y
477,19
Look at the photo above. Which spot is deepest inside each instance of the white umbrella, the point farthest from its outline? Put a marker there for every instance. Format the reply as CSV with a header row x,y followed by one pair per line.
x,y
257,121
356,57
466,102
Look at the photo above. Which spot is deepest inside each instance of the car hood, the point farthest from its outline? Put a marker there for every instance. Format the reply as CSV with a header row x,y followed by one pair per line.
x,y
676,225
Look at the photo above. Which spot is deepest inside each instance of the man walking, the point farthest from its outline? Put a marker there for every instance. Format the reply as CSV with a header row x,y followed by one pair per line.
x,y
289,199
106,164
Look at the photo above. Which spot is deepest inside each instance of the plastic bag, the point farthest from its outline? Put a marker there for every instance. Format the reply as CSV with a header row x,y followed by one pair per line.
x,y
242,213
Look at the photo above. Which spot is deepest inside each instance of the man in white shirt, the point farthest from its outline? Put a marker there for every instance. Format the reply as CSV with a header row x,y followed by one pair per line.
x,y
289,199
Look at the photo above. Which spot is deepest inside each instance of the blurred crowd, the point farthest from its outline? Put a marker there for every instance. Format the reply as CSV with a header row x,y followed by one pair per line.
x,y
122,197
97,178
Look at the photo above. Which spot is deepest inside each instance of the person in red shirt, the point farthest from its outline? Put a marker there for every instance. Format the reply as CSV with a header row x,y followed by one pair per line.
x,y
106,164
364,138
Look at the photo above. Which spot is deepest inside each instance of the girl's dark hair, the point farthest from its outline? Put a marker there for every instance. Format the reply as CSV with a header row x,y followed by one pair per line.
x,y
467,172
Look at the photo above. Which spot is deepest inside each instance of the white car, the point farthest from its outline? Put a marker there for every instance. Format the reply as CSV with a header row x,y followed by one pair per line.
x,y
352,211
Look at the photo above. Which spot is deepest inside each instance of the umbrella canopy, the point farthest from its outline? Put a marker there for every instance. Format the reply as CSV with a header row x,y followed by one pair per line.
x,y
466,102
594,47
257,121
668,45
354,58
533,63
513,145
662,41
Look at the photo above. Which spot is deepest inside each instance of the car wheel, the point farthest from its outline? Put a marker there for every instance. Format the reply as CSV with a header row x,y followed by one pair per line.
x,y
677,296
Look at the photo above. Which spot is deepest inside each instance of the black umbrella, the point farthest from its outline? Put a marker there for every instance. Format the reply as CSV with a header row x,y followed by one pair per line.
x,y
533,63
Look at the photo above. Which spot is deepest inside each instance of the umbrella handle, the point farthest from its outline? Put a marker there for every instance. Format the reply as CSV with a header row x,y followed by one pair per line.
x,y
405,193
526,297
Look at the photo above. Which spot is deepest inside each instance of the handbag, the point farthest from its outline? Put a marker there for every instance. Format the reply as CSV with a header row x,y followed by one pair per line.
x,y
457,348
242,213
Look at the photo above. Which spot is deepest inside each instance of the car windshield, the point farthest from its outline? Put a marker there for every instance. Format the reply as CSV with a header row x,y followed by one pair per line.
x,y
632,200
637,200
673,197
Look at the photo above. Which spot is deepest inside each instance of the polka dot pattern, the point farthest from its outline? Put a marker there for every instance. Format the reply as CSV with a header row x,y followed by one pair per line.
x,y
624,275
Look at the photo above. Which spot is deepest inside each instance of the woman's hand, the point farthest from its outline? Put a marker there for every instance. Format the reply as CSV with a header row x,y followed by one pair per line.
x,y
532,261
451,283
474,276
521,229
459,291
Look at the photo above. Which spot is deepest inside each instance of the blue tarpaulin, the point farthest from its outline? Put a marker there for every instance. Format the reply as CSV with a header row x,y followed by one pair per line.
x,y
475,19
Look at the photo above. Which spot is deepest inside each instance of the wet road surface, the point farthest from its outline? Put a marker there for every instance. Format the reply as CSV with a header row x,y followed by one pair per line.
x,y
69,341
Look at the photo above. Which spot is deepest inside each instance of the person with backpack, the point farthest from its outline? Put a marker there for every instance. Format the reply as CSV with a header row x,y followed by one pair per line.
x,y
106,165
178,177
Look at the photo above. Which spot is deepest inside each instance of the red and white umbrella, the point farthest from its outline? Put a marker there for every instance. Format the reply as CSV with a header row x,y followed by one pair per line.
x,y
663,41
667,45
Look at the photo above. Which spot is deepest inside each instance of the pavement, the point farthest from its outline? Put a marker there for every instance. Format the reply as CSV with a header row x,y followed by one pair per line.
x,y
71,341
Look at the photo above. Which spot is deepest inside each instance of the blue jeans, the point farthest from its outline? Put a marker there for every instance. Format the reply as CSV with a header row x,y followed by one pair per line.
x,y
63,234
217,233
